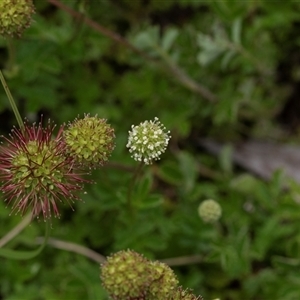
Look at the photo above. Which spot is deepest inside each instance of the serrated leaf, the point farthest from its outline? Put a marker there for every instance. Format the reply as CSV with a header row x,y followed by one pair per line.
x,y
205,58
188,167
227,58
206,42
147,39
169,38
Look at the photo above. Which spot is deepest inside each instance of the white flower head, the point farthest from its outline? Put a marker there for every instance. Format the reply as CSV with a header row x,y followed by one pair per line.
x,y
148,140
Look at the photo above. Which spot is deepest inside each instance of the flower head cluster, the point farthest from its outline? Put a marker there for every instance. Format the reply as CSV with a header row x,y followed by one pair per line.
x,y
90,141
209,211
15,16
148,141
129,275
35,172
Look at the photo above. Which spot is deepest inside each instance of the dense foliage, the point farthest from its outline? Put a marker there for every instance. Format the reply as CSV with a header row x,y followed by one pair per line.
x,y
224,70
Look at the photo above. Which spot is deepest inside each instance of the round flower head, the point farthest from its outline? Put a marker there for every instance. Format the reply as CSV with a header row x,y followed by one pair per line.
x,y
148,141
35,172
125,275
90,141
15,16
210,211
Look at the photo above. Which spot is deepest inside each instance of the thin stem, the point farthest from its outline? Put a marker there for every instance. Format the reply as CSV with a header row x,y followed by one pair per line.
x,y
72,247
11,101
23,255
183,260
131,186
16,230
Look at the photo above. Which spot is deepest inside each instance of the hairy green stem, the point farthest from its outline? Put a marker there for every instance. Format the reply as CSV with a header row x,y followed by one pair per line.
x,y
16,230
24,255
131,187
11,101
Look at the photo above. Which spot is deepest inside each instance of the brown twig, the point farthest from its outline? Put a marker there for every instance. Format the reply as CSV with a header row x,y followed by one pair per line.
x,y
183,260
98,258
72,247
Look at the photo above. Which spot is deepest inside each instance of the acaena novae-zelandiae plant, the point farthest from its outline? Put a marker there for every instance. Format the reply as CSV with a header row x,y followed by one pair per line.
x,y
41,169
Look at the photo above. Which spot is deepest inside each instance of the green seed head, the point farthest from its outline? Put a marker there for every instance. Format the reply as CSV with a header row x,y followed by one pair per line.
x,y
210,211
90,141
15,16
164,282
125,275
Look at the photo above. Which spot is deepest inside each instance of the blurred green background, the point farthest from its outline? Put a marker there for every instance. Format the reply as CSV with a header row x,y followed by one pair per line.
x,y
224,70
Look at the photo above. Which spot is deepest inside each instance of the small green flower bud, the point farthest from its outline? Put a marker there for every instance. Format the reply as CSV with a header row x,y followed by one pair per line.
x,y
209,211
15,16
164,281
90,141
148,141
125,275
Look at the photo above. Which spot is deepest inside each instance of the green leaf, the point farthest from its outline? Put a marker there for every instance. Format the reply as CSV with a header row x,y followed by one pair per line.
x,y
148,38
229,55
189,169
225,158
170,173
143,187
169,38
236,31
151,201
